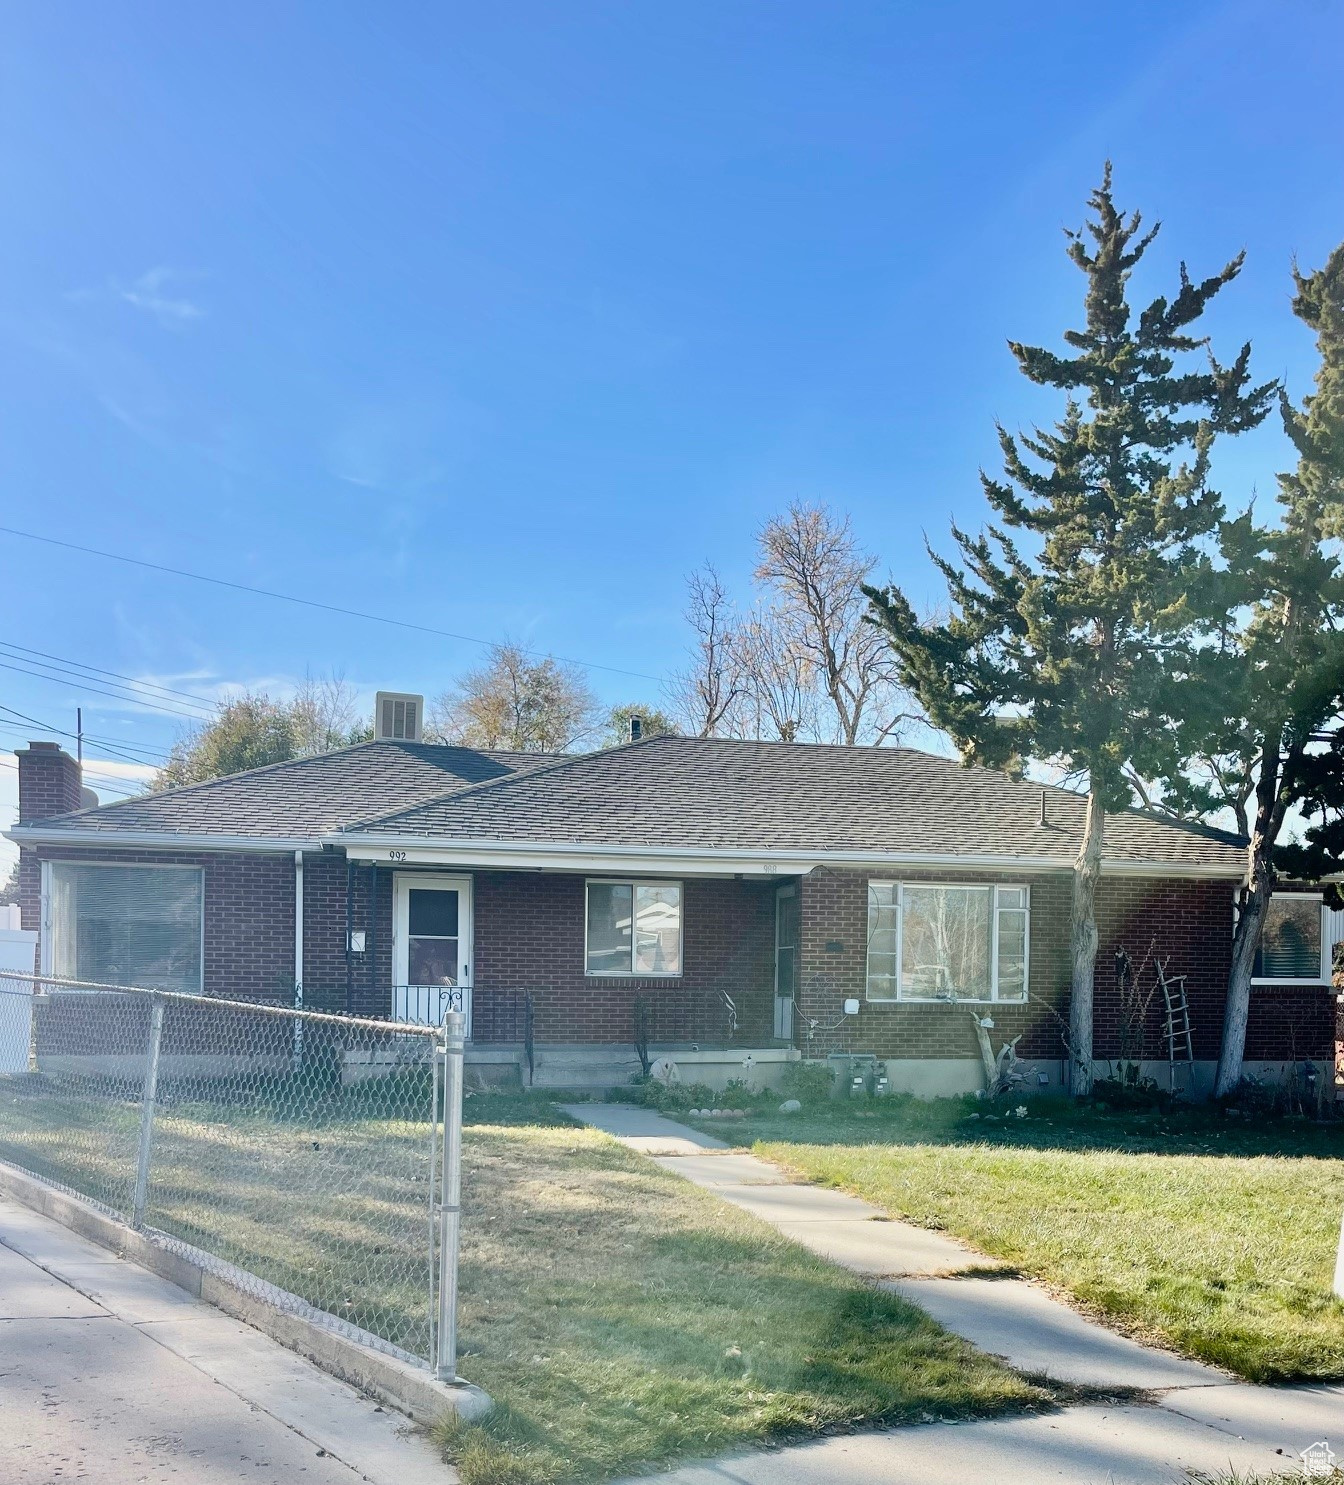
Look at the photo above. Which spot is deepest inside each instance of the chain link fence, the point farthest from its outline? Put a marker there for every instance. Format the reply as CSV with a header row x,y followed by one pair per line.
x,y
300,1154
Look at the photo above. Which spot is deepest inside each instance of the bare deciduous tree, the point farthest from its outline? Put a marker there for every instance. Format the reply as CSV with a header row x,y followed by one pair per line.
x,y
779,685
706,694
518,702
326,714
813,567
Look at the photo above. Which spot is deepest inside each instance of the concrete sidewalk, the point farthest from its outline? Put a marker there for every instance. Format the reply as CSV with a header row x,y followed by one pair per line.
x,y
1199,1419
110,1374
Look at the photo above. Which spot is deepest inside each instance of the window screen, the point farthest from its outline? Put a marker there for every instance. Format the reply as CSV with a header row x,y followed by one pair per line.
x,y
1290,946
127,925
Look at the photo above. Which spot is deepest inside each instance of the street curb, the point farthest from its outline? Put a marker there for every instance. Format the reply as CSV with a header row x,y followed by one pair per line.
x,y
407,1388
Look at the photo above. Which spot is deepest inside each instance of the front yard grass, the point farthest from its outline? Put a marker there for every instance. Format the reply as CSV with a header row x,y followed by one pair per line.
x,y
1212,1236
626,1318
619,1316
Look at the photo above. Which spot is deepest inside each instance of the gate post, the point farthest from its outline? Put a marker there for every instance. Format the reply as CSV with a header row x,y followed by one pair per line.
x,y
450,1194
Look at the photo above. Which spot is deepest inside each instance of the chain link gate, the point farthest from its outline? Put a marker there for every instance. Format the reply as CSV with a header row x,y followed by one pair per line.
x,y
315,1160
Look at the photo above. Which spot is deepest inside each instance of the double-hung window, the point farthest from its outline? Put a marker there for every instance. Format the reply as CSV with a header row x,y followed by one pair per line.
x,y
633,928
1293,943
947,941
126,925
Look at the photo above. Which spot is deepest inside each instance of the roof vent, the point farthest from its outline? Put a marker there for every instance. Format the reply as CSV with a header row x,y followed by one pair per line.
x,y
398,717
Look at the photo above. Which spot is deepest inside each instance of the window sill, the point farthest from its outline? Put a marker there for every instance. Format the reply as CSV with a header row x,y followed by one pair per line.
x,y
1315,983
962,1000
627,974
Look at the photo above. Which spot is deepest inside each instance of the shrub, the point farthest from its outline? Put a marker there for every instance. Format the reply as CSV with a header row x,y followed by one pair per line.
x,y
808,1082
669,1098
1132,1092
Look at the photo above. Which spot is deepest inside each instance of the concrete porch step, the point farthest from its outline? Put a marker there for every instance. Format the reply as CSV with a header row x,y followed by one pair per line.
x,y
583,1067
588,1066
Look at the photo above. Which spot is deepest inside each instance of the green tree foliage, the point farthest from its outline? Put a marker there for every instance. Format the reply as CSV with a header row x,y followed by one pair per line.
x,y
518,702
1062,611
1259,721
255,729
247,733
652,723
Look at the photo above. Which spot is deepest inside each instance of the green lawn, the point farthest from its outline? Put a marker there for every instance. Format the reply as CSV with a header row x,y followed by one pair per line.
x,y
1213,1236
619,1316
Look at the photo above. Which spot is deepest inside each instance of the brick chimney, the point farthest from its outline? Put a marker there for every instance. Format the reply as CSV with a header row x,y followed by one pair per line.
x,y
49,781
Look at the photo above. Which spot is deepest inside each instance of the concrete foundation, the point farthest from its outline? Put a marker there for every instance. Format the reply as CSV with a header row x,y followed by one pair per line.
x,y
952,1077
597,1068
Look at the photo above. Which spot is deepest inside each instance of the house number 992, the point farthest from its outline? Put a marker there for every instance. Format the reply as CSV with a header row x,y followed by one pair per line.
x,y
396,855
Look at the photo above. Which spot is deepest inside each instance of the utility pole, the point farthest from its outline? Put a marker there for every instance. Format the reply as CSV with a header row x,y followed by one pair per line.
x,y
79,735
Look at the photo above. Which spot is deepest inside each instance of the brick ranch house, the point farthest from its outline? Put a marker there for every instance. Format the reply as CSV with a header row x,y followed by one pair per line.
x,y
709,900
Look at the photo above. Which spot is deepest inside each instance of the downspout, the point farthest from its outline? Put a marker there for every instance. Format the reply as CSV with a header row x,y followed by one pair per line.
x,y
373,938
298,930
45,956
298,959
349,936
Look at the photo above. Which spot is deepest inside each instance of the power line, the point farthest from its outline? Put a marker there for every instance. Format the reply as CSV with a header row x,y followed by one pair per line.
x,y
111,781
110,744
152,755
127,691
150,703
330,608
61,731
9,644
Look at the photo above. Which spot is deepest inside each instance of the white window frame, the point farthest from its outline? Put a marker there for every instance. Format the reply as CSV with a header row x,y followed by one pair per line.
x,y
994,888
1326,975
632,973
47,946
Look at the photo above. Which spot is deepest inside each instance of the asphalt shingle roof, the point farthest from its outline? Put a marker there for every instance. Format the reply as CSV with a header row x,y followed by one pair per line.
x,y
678,792
708,792
306,797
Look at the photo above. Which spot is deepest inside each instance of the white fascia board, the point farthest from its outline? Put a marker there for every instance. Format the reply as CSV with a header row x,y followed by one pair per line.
x,y
158,840
568,856
714,861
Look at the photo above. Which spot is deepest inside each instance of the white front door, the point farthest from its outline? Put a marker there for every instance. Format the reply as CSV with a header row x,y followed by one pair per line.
x,y
431,947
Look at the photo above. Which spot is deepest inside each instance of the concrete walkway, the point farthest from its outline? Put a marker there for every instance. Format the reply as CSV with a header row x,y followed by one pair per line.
x,y
1200,1418
110,1374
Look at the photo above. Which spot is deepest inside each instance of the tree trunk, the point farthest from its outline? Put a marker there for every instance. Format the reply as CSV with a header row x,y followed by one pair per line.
x,y
1245,943
1272,788
1083,948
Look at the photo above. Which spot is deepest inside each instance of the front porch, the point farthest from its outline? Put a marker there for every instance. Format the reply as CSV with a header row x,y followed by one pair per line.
x,y
573,980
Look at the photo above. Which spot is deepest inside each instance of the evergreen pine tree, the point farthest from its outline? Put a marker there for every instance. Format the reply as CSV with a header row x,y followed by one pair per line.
x,y
1260,725
1062,611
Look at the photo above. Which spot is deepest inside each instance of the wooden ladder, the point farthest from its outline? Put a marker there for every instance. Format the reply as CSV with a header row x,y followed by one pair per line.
x,y
1180,1047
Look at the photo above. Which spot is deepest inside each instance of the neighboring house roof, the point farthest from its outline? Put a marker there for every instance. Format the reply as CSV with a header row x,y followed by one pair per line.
x,y
304,798
661,795
714,793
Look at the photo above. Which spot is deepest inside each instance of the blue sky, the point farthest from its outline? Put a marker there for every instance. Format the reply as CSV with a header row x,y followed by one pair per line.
x,y
502,318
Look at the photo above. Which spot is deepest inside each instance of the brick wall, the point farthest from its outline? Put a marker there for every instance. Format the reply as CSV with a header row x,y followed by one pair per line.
x,y
249,913
1291,1023
49,781
530,935
1187,922
833,966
